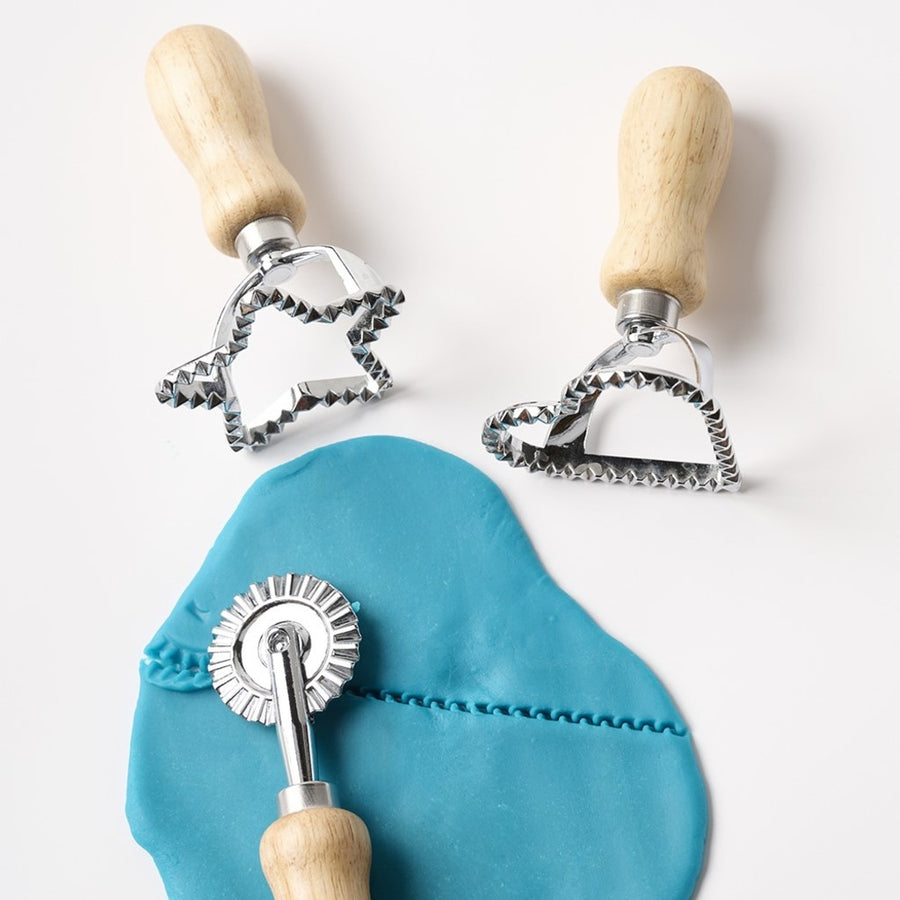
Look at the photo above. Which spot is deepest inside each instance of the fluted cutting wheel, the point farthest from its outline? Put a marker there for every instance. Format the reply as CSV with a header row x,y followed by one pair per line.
x,y
238,658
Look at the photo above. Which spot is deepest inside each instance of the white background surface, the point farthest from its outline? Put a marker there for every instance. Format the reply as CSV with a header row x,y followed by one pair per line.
x,y
467,150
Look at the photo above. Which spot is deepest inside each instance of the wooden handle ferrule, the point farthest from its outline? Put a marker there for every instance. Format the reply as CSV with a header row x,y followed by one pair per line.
x,y
209,103
674,146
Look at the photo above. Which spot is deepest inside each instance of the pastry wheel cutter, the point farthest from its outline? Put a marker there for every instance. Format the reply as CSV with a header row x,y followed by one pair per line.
x,y
280,653
208,101
674,147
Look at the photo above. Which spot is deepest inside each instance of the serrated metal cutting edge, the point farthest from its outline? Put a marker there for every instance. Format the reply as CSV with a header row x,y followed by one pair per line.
x,y
571,461
206,381
315,605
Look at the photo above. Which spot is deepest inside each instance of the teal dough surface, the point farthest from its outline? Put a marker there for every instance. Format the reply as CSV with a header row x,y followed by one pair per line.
x,y
495,740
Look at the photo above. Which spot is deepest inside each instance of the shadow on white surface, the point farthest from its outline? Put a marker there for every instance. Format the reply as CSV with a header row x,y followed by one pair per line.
x,y
296,138
734,312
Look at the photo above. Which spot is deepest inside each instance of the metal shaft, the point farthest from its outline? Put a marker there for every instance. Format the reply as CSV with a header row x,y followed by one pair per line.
x,y
286,647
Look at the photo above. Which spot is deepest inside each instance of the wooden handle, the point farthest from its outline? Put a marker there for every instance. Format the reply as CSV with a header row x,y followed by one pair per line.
x,y
317,854
209,104
674,147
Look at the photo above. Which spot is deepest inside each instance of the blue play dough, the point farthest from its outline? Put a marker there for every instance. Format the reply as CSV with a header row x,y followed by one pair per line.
x,y
496,742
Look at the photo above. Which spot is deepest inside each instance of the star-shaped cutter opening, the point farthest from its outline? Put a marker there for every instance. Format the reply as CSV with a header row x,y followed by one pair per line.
x,y
569,419
207,381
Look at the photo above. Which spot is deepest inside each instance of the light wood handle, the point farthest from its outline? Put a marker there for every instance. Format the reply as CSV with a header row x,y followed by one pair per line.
x,y
317,854
674,147
210,106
